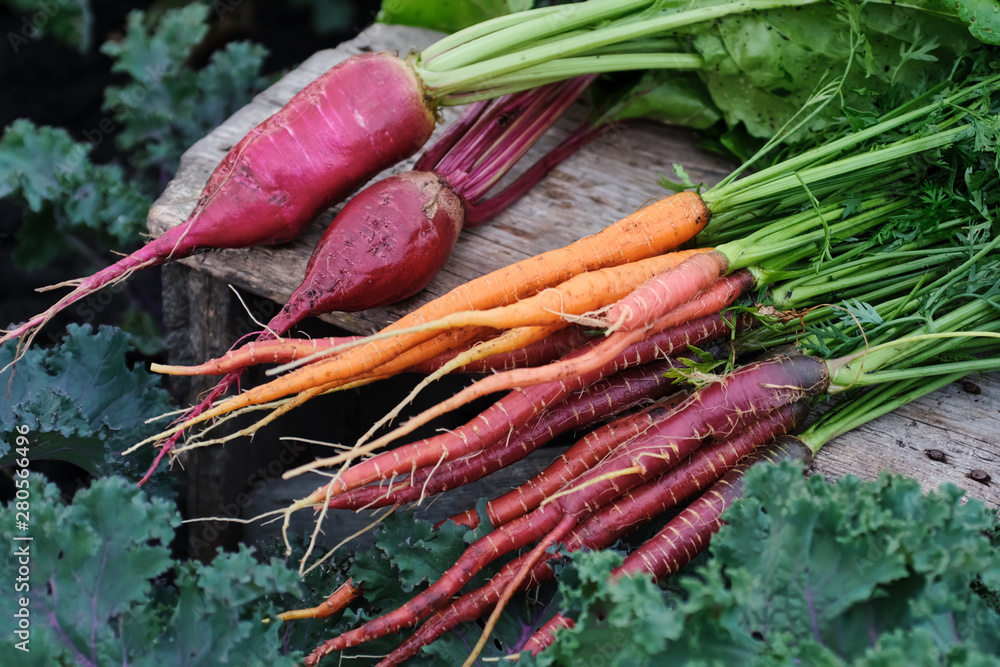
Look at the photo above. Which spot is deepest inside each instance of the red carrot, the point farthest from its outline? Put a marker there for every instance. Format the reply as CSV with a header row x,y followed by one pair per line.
x,y
703,468
330,138
713,300
607,526
720,409
579,458
271,351
587,452
473,560
687,534
513,410
666,291
596,402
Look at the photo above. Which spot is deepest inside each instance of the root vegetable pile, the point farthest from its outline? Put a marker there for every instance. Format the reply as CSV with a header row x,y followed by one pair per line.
x,y
829,231
687,366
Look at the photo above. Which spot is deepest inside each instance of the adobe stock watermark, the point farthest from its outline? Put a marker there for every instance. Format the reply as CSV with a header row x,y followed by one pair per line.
x,y
129,101
33,24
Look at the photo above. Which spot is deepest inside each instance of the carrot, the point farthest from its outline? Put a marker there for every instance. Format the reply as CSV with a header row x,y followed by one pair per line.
x,y
653,230
598,401
535,354
580,457
663,293
706,465
687,534
274,181
508,341
593,447
520,577
720,408
533,317
511,411
345,594
712,460
605,527
713,300
477,556
546,635
285,350
576,296
268,351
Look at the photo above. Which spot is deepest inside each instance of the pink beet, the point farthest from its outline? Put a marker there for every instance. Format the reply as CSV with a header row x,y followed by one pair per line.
x,y
364,114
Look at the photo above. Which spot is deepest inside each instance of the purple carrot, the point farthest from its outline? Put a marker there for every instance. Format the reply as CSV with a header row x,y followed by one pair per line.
x,y
604,398
604,528
719,409
515,409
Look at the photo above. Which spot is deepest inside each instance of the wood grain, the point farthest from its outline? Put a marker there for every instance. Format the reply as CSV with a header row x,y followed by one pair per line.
x,y
600,184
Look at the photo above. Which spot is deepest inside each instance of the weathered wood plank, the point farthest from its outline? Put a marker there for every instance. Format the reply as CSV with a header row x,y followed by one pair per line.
x,y
602,183
965,426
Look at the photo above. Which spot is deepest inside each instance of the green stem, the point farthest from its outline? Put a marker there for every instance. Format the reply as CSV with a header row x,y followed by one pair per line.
x,y
858,167
728,189
921,372
805,228
850,276
846,373
489,27
567,68
854,412
739,222
471,46
472,77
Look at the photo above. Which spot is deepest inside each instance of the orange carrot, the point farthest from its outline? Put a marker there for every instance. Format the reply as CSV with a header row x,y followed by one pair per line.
x,y
580,294
653,230
713,300
287,350
338,601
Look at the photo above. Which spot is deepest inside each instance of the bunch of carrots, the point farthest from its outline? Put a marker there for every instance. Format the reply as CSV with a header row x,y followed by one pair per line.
x,y
604,330
830,221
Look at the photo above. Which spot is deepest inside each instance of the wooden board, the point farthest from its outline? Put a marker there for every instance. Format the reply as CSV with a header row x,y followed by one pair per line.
x,y
600,184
